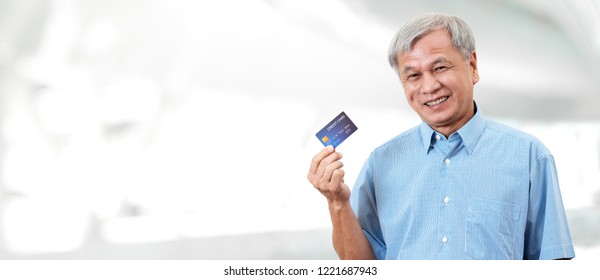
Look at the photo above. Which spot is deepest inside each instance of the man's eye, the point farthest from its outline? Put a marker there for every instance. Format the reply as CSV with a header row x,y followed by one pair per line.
x,y
412,76
440,68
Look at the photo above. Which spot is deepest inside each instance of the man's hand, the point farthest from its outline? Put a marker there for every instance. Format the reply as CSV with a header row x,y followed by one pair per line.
x,y
327,176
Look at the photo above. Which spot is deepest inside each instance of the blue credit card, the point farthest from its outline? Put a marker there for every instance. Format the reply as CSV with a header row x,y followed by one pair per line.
x,y
336,131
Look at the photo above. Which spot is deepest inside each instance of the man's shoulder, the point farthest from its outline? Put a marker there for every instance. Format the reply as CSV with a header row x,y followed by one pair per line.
x,y
504,130
510,134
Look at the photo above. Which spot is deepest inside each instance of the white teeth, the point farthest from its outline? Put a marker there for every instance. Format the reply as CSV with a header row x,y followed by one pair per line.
x,y
436,102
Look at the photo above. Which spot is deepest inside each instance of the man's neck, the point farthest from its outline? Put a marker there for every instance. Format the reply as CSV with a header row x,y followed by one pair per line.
x,y
448,130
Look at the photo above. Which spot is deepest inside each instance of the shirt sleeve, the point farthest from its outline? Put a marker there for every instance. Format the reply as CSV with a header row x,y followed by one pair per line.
x,y
547,232
364,204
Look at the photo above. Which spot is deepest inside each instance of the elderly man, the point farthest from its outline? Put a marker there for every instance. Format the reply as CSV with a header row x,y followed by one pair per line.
x,y
458,186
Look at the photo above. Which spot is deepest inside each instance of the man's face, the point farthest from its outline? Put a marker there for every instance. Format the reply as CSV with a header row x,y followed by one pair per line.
x,y
438,82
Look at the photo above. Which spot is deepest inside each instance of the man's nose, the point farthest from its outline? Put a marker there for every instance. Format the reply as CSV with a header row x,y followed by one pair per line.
x,y
429,83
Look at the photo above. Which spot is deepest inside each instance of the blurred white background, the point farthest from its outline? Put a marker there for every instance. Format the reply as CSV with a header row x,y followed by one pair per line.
x,y
183,129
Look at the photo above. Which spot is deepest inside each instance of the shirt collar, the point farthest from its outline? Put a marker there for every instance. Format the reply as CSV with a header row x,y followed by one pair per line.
x,y
427,134
470,132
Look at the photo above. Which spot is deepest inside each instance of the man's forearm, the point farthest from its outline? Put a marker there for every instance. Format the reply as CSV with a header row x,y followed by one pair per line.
x,y
349,240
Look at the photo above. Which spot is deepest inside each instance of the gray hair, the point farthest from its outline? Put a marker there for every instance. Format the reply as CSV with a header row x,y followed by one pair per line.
x,y
416,28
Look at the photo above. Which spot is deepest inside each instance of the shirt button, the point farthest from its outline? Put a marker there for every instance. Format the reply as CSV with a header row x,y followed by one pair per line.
x,y
444,239
438,137
447,162
446,200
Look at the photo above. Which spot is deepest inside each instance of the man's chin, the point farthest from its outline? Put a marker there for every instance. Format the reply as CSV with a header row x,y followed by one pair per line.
x,y
437,121
436,117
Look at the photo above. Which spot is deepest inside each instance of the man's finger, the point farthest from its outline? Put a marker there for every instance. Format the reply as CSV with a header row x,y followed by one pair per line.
x,y
330,169
337,177
316,161
331,158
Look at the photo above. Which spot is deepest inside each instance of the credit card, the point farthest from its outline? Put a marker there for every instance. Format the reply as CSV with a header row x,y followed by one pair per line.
x,y
336,131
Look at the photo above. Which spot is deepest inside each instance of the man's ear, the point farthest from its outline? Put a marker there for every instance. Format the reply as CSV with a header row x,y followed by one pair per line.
x,y
473,65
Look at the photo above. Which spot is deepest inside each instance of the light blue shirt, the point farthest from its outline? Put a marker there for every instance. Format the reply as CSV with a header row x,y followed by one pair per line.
x,y
486,192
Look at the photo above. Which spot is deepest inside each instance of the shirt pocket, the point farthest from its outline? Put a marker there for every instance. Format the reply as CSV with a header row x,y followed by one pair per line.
x,y
490,229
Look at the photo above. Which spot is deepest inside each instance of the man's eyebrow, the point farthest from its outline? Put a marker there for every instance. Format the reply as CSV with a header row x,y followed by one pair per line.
x,y
407,68
438,60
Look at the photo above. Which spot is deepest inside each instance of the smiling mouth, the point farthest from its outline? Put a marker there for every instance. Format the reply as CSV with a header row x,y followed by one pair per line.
x,y
437,101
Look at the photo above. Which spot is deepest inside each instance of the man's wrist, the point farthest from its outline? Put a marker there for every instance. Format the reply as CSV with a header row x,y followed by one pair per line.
x,y
339,205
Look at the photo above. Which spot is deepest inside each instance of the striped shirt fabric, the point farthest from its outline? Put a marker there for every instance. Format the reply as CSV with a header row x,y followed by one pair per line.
x,y
487,191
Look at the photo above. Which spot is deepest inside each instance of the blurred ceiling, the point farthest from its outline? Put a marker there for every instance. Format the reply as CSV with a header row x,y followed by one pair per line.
x,y
538,60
